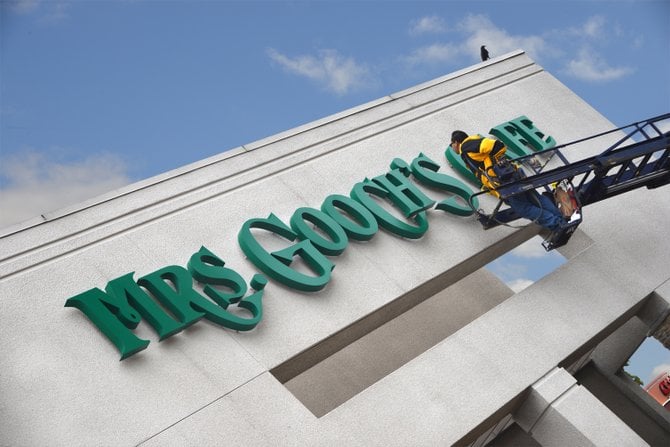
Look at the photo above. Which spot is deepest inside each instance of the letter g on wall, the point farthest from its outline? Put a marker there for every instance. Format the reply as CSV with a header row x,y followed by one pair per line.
x,y
277,265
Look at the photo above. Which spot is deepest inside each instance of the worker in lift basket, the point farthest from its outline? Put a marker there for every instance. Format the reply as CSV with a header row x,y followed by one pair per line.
x,y
481,155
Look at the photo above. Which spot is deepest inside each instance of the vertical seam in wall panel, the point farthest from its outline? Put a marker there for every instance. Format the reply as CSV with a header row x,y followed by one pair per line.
x,y
550,405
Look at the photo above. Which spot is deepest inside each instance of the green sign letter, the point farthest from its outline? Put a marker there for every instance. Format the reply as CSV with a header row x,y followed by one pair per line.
x,y
522,137
277,264
425,170
113,316
403,193
361,192
208,269
125,288
338,238
363,226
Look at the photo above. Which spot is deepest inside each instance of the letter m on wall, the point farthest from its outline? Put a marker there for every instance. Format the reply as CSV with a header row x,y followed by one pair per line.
x,y
117,310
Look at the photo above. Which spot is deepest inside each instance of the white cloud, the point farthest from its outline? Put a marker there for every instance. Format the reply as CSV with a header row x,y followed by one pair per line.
x,y
663,126
24,6
589,66
479,30
637,42
432,54
428,25
37,184
593,28
507,270
333,71
553,45
482,31
663,368
47,12
519,284
533,249
56,12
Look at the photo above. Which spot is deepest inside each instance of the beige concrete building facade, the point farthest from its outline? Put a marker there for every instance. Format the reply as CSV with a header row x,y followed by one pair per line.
x,y
393,335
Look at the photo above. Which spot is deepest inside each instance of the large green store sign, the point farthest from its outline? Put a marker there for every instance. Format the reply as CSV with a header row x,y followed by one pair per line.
x,y
168,300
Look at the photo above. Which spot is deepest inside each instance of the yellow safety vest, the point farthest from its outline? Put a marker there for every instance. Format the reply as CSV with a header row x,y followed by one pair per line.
x,y
484,159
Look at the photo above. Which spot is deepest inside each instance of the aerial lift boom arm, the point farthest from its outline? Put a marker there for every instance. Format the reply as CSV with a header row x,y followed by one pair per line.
x,y
641,158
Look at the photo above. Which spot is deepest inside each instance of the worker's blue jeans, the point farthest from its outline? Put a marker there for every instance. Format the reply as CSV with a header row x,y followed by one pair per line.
x,y
538,208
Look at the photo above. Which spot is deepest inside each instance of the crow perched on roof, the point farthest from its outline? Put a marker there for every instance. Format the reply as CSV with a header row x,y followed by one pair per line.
x,y
484,53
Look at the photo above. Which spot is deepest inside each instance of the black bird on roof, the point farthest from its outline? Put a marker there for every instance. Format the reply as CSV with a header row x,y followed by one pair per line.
x,y
484,53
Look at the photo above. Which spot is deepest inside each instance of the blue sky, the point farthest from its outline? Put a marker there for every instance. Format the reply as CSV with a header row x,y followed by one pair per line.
x,y
99,94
